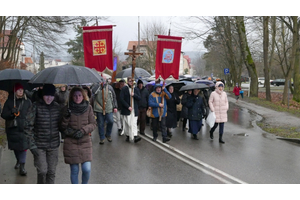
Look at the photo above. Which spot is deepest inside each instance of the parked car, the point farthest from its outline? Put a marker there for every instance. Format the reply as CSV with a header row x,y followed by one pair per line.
x,y
261,80
278,82
244,79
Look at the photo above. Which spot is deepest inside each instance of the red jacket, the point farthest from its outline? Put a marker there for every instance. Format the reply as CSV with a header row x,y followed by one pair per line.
x,y
236,90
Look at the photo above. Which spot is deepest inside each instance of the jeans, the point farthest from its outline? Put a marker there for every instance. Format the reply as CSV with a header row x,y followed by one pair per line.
x,y
86,172
221,128
20,155
155,122
109,118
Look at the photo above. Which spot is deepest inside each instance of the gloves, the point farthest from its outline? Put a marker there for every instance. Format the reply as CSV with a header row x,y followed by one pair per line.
x,y
67,114
78,134
34,152
14,110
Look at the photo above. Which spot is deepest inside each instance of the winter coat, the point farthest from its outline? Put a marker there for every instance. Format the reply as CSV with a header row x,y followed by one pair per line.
x,y
143,103
78,150
16,138
171,120
109,98
218,103
236,91
118,92
184,110
41,126
125,97
196,107
154,102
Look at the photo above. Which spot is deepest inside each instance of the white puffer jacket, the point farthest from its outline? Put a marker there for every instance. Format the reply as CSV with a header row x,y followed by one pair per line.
x,y
218,103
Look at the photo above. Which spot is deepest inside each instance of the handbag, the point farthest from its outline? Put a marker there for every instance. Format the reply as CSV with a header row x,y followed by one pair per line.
x,y
211,119
149,112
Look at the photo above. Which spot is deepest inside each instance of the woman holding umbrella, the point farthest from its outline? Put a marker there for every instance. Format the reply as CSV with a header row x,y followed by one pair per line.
x,y
196,111
14,112
77,124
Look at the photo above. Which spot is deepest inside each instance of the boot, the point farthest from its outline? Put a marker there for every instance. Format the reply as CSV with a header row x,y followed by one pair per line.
x,y
22,171
137,139
195,137
220,139
17,166
211,134
166,139
169,133
127,138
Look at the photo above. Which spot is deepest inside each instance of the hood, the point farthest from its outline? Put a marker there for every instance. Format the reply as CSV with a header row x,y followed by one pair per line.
x,y
157,85
218,83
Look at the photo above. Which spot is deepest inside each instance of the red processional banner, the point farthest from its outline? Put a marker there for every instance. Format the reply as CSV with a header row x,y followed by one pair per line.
x,y
97,46
167,57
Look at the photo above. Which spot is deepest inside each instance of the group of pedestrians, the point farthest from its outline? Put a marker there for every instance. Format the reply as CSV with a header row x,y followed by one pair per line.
x,y
73,114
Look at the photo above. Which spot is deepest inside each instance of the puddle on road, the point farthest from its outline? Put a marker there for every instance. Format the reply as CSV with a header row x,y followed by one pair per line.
x,y
242,116
241,134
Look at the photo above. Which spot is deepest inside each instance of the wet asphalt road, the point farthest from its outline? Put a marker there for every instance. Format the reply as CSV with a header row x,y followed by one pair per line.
x,y
249,156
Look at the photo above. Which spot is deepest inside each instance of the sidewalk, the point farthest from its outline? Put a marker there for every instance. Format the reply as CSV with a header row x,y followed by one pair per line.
x,y
270,117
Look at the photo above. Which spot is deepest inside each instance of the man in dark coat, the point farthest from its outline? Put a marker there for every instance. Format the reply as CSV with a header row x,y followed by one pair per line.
x,y
117,115
143,105
171,119
42,130
130,112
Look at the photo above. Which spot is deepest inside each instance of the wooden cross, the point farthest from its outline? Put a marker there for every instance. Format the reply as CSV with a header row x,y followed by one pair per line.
x,y
133,55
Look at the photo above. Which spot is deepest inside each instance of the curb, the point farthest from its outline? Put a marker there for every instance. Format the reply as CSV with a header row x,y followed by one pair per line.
x,y
294,140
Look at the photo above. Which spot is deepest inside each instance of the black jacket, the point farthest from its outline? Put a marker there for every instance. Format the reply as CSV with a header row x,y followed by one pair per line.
x,y
171,120
15,135
196,107
42,125
143,103
125,100
184,110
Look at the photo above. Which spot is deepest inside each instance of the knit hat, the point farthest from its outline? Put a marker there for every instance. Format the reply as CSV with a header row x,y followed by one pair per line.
x,y
18,86
49,90
140,81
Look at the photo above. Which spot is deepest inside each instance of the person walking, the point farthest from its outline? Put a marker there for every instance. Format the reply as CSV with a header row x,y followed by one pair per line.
x,y
143,105
42,130
77,123
218,103
196,111
61,97
171,118
158,102
236,91
14,112
184,111
106,114
130,96
117,115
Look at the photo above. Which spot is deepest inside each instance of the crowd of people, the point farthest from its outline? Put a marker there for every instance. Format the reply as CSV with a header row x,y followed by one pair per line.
x,y
42,119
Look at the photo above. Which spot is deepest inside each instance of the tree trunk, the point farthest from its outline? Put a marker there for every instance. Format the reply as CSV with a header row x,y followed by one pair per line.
x,y
296,92
247,57
266,56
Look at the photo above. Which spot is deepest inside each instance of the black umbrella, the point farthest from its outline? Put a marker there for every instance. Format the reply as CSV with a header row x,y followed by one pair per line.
x,y
138,73
66,74
194,86
9,77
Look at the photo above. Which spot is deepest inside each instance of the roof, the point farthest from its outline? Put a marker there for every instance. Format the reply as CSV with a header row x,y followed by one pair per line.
x,y
6,38
142,43
28,60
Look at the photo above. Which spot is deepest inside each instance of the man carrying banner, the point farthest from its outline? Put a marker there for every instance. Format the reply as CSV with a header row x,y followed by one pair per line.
x,y
158,102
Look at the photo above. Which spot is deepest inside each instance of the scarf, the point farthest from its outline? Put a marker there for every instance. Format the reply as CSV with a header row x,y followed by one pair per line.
x,y
78,109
